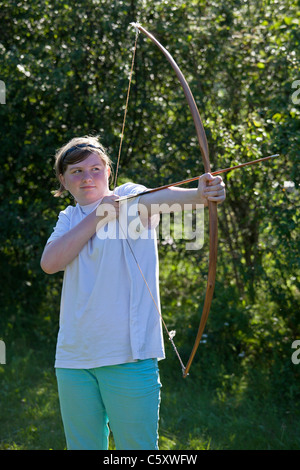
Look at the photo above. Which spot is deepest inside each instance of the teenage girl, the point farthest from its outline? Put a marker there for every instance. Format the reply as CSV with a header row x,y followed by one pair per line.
x,y
110,335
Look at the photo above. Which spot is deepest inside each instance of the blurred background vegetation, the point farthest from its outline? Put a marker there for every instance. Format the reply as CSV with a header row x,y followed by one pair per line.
x,y
65,65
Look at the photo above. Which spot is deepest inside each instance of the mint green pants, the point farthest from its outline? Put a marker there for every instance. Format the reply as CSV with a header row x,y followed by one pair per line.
x,y
123,398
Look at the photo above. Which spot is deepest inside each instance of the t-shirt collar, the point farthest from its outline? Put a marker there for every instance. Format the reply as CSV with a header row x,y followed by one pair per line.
x,y
88,208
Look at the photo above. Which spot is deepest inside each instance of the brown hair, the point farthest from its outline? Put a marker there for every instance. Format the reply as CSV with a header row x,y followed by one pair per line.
x,y
75,151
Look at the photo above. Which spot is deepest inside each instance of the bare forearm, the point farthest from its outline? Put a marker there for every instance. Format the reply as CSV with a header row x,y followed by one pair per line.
x,y
174,199
59,253
169,199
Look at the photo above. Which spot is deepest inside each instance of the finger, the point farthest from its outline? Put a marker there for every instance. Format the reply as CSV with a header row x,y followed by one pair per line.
x,y
215,181
216,198
207,177
216,195
214,190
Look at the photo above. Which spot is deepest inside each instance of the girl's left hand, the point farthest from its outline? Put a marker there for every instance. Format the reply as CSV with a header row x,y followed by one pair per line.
x,y
211,188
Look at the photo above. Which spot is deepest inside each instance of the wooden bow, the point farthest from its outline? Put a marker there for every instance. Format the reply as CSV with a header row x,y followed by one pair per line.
x,y
212,206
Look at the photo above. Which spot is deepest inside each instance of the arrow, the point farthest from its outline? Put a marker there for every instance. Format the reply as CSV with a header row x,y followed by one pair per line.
x,y
195,178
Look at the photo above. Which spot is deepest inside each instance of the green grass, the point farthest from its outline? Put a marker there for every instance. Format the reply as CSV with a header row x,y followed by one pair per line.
x,y
197,416
194,416
29,413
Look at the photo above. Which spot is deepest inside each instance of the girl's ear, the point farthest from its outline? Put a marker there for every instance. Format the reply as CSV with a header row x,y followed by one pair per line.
x,y
62,180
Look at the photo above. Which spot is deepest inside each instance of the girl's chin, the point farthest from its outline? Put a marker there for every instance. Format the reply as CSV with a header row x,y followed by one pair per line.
x,y
88,198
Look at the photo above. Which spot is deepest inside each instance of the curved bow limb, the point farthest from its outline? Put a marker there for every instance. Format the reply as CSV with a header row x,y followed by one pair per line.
x,y
212,268
212,206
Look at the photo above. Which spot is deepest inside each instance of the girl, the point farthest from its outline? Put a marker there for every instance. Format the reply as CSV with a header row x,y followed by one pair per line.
x,y
110,334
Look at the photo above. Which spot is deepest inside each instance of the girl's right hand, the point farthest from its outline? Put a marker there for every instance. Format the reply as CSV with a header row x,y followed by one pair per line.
x,y
109,207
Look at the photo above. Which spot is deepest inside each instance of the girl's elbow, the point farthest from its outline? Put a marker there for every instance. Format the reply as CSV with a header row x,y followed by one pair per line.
x,y
47,266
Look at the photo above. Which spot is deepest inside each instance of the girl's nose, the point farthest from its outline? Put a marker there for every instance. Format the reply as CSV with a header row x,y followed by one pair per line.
x,y
86,176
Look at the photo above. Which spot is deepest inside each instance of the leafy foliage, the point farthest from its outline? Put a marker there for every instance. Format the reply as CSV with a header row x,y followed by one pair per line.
x,y
66,65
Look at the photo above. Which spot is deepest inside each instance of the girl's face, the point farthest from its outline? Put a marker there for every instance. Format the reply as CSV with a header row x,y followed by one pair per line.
x,y
87,181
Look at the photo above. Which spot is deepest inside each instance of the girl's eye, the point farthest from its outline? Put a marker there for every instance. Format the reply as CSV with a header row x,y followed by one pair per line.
x,y
79,171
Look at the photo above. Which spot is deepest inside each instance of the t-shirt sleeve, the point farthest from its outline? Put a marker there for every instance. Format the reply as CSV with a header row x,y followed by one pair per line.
x,y
62,226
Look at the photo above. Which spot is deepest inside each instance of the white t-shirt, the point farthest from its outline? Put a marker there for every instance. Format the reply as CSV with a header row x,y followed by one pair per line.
x,y
107,315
